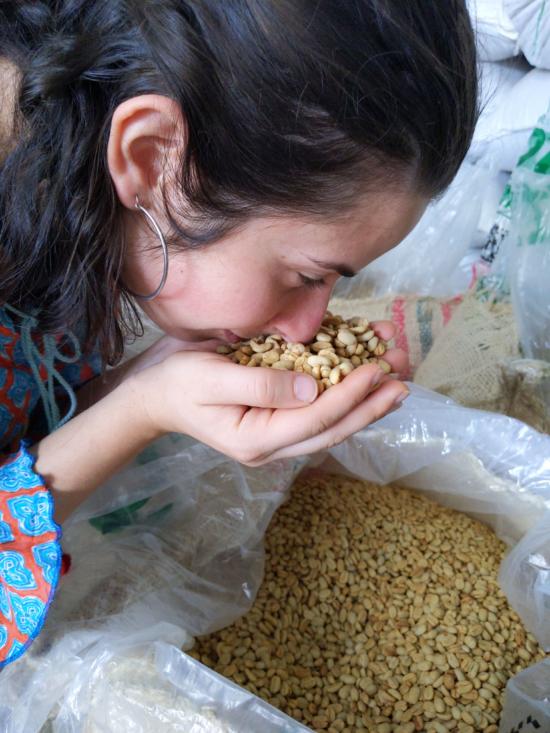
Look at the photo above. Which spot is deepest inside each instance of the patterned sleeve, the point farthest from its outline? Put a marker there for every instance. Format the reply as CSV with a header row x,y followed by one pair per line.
x,y
30,554
21,409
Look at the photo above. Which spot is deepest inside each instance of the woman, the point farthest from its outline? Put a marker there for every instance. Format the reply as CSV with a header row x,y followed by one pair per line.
x,y
222,163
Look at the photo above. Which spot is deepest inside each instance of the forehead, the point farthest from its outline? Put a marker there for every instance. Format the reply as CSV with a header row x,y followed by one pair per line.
x,y
377,223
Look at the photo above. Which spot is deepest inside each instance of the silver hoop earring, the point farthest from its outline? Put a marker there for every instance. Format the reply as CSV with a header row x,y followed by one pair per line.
x,y
164,250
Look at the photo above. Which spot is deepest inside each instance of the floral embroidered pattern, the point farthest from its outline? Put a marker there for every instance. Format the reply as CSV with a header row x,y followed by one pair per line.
x,y
16,651
29,577
14,477
4,603
28,612
33,513
6,535
48,557
14,572
30,564
19,394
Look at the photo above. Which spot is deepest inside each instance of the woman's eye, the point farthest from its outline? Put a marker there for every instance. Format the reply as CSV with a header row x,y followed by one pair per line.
x,y
311,283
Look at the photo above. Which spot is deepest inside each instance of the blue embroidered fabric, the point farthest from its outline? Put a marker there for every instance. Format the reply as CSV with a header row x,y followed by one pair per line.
x,y
30,554
37,377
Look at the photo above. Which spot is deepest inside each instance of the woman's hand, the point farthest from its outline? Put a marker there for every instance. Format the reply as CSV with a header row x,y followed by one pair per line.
x,y
256,415
98,388
162,349
252,414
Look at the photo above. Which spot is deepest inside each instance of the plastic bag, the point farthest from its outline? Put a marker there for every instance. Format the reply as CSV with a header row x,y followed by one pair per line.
x,y
507,122
527,701
525,577
529,257
171,548
142,682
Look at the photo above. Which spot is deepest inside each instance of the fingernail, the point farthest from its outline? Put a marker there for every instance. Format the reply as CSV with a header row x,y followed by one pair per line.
x,y
401,397
305,388
378,377
394,408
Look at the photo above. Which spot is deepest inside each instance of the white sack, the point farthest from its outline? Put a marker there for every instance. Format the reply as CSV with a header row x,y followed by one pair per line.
x,y
496,37
511,112
531,18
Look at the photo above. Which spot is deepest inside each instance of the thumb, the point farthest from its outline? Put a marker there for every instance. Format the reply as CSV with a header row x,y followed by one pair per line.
x,y
257,387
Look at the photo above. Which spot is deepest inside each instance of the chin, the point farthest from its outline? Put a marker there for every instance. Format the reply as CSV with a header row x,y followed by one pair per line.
x,y
191,337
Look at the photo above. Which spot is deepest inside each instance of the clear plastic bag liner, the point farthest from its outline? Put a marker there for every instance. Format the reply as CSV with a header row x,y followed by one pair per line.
x,y
527,700
529,258
194,698
171,548
525,577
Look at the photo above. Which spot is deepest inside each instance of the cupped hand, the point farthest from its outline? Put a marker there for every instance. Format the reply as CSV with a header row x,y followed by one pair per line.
x,y
162,349
256,415
397,358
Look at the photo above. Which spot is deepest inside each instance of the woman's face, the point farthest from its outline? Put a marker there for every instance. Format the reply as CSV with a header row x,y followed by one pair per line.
x,y
274,275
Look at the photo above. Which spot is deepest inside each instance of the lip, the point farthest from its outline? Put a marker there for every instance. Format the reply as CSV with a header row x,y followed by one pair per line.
x,y
230,337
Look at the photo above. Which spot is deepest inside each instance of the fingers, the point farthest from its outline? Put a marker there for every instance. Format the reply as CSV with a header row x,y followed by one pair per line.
x,y
210,345
177,345
283,428
257,387
385,330
397,359
374,407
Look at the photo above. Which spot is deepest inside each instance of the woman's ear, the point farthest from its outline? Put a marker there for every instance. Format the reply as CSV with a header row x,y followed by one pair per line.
x,y
146,132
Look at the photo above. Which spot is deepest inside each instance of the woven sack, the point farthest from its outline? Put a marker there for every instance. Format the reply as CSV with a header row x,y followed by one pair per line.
x,y
419,320
464,362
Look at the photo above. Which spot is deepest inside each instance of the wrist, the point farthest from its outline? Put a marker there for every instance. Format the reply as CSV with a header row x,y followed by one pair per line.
x,y
85,452
142,393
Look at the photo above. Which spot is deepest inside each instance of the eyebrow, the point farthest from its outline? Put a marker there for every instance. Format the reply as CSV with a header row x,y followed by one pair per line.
x,y
339,267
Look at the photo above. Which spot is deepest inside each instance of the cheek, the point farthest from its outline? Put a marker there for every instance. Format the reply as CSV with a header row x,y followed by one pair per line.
x,y
238,302
252,304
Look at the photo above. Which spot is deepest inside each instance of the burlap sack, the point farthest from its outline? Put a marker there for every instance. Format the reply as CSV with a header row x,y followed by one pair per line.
x,y
474,357
476,361
464,360
525,392
419,320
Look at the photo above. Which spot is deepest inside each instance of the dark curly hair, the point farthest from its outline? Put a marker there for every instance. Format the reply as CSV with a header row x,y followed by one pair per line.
x,y
292,106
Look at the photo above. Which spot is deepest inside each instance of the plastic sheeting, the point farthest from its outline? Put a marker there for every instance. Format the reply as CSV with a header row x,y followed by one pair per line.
x,y
529,244
171,548
527,704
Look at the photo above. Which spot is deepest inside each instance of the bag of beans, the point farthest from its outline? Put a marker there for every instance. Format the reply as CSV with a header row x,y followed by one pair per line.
x,y
376,606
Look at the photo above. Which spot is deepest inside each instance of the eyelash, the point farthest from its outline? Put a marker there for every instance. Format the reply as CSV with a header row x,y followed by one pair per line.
x,y
312,284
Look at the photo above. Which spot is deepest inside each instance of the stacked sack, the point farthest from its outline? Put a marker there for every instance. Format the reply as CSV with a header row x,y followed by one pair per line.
x,y
512,37
531,19
506,28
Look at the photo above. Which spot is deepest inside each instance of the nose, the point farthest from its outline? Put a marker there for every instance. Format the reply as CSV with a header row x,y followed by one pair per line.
x,y
302,316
